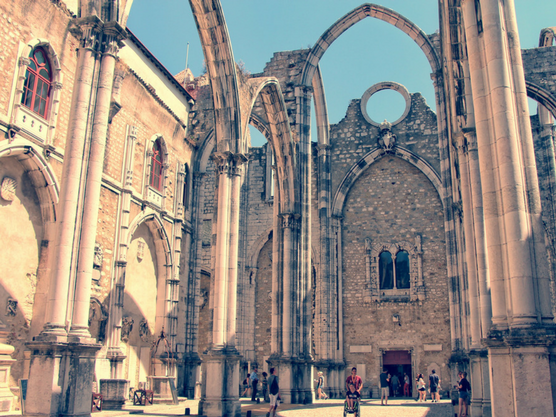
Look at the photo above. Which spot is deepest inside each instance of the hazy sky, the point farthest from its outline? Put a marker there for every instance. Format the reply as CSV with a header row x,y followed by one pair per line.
x,y
369,52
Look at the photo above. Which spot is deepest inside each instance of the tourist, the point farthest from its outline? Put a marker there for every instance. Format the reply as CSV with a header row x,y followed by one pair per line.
x,y
254,382
464,387
246,383
264,383
434,382
355,380
384,387
395,385
274,393
352,398
320,385
421,388
406,390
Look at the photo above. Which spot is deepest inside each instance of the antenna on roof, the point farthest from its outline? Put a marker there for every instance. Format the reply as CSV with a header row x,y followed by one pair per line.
x,y
187,56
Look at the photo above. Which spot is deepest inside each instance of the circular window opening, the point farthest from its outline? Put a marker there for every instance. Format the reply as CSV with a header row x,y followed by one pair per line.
x,y
386,105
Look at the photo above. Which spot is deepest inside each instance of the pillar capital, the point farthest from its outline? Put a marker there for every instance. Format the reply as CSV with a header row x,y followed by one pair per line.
x,y
290,220
229,163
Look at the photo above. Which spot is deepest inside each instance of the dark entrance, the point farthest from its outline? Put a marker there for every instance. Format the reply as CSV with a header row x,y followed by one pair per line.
x,y
398,362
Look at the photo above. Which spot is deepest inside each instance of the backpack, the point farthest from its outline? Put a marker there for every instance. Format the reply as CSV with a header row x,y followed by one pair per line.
x,y
274,386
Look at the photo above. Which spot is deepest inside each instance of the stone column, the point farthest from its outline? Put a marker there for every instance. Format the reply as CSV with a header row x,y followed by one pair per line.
x,y
519,336
219,393
113,33
57,306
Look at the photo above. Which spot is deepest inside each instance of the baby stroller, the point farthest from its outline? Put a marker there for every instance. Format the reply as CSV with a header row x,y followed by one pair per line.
x,y
356,410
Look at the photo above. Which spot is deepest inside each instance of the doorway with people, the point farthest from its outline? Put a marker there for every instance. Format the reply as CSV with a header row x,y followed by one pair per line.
x,y
398,364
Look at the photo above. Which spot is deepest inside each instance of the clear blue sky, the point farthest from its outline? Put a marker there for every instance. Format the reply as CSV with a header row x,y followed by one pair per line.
x,y
371,51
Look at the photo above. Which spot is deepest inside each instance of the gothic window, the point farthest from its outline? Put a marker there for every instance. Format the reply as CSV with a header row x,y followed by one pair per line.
x,y
386,268
402,270
38,79
396,277
157,165
479,15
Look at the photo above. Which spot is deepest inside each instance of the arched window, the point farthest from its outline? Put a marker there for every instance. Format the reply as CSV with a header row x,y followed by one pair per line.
x,y
402,270
385,269
157,165
38,79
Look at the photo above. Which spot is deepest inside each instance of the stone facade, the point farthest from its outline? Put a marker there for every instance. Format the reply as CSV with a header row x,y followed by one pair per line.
x,y
147,219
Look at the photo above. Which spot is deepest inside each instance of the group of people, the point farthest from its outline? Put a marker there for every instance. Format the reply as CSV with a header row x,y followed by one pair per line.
x,y
270,388
434,387
354,384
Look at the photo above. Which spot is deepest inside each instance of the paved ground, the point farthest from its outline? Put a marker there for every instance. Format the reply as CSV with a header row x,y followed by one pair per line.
x,y
321,408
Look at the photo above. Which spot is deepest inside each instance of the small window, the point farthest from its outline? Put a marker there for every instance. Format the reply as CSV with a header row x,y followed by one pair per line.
x,y
386,271
38,80
402,270
157,165
185,201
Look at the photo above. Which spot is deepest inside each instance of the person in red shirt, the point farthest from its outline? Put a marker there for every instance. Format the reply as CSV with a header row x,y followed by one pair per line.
x,y
355,380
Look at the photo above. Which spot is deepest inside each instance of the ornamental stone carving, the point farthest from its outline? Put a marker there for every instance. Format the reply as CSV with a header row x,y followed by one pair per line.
x,y
144,331
7,189
386,139
11,307
127,327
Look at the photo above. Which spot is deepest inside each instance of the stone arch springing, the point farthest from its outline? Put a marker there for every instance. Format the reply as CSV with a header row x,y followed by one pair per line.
x,y
40,128
278,133
221,69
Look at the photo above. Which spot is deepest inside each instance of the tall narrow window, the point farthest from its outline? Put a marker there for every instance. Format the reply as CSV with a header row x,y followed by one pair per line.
x,y
157,163
386,268
38,78
185,187
402,270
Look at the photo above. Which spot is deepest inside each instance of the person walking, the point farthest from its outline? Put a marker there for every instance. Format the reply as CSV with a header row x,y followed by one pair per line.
x,y
421,388
274,393
246,384
355,380
406,390
384,387
434,382
463,387
264,384
254,382
320,386
395,385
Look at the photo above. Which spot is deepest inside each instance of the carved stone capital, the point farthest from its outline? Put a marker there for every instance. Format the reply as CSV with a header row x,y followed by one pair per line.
x,y
88,30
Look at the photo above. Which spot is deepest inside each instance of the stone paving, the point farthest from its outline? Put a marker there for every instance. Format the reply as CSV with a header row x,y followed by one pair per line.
x,y
321,408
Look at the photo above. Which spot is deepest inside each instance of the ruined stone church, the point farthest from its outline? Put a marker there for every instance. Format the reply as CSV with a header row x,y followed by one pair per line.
x,y
148,245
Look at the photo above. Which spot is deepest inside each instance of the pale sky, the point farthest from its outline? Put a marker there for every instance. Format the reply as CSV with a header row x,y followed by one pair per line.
x,y
369,52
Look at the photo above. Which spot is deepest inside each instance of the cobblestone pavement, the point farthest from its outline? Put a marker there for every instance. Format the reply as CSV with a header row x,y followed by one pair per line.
x,y
321,408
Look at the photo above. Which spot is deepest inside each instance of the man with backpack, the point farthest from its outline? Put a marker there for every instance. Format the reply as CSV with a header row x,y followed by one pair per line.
x,y
274,393
434,383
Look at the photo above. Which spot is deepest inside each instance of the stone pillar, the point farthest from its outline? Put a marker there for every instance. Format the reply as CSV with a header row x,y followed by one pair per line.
x,y
521,328
6,362
113,33
219,393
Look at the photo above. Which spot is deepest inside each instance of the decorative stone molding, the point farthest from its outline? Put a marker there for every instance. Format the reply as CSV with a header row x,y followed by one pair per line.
x,y
416,290
7,189
98,257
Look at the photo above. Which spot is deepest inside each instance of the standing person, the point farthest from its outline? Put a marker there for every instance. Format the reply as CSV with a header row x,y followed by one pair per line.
x,y
264,383
434,382
254,382
274,393
421,388
464,387
384,386
395,385
320,386
355,380
406,390
246,383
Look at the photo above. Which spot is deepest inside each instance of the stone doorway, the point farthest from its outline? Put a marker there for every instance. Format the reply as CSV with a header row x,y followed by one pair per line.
x,y
398,362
